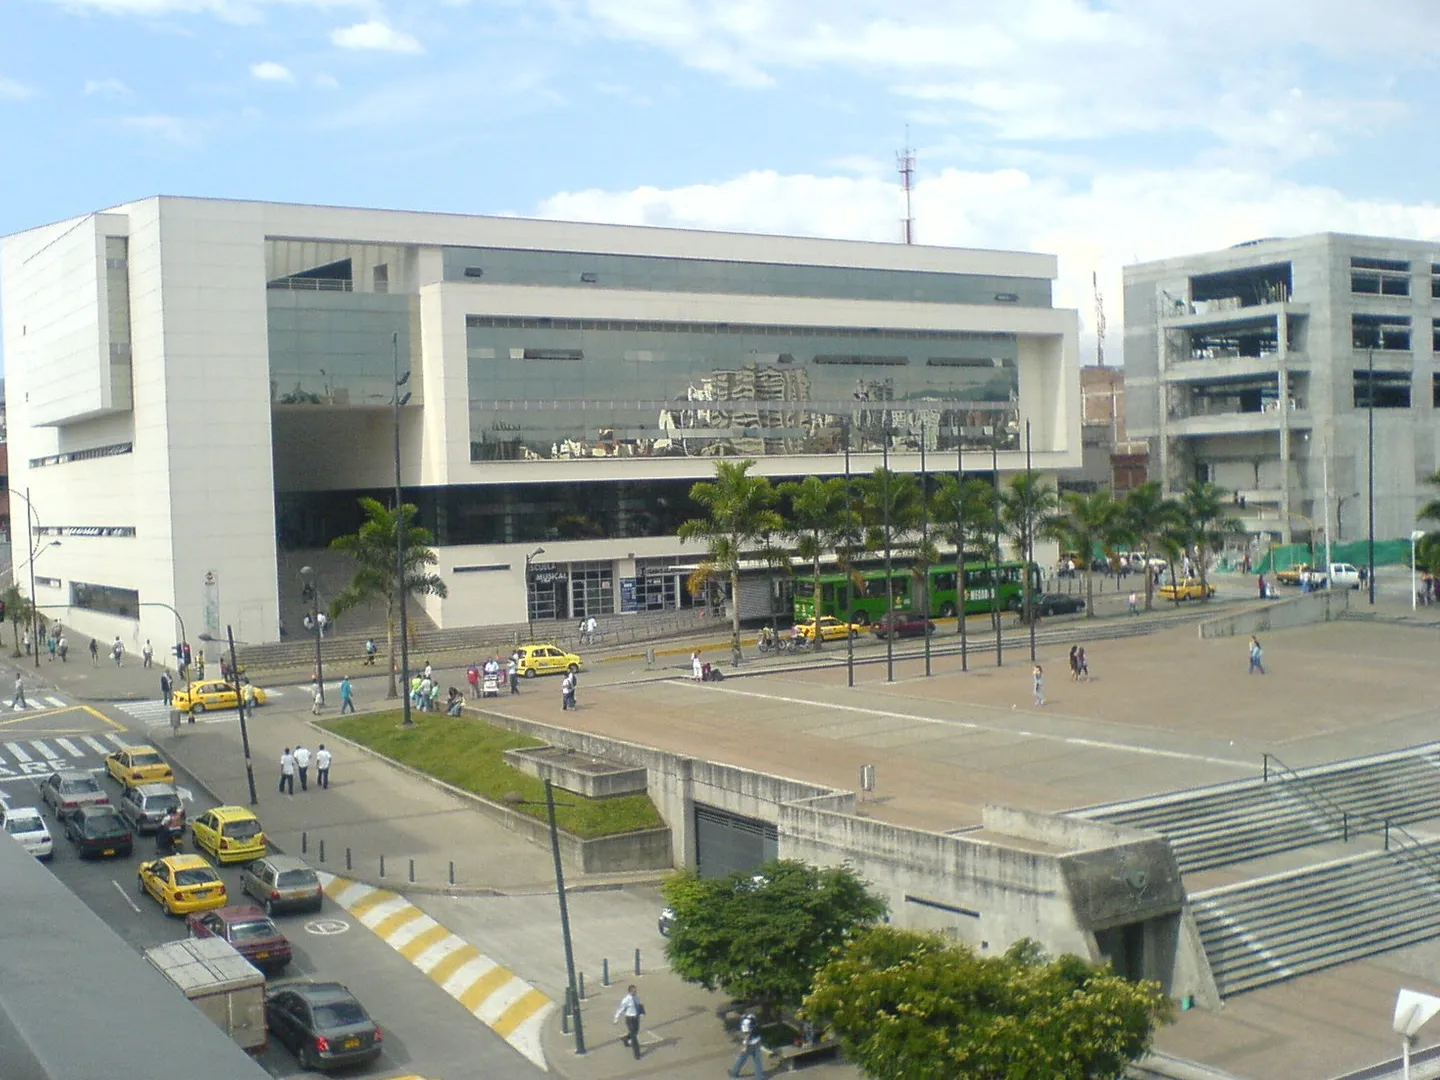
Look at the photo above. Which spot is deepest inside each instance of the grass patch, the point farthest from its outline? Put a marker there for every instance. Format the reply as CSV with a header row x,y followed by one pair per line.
x,y
470,755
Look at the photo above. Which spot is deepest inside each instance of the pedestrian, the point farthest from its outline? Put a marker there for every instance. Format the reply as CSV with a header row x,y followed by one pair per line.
x,y
1074,662
591,628
512,672
455,702
287,773
302,766
322,768
1261,583
1134,603
1257,657
117,650
94,652
167,688
200,664
631,1009
147,654
433,705
248,696
18,700
1039,675
1082,665
428,672
323,621
567,692
751,1047
51,644
26,640
319,699
347,696
370,652
697,669
472,676
63,648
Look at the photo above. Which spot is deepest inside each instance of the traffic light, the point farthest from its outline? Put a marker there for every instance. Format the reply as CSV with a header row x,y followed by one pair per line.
x,y
179,652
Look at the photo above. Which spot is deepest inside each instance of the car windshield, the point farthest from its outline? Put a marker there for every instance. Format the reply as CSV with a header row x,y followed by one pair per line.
x,y
336,1014
297,879
255,930
242,830
150,758
195,875
159,803
103,825
23,823
80,785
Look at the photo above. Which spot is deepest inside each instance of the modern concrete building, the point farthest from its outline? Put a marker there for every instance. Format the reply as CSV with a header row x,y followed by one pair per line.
x,y
200,390
1257,368
1108,458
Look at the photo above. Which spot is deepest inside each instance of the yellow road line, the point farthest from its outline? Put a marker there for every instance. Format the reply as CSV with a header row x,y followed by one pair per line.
x,y
474,994
526,1006
422,941
358,908
387,926
452,963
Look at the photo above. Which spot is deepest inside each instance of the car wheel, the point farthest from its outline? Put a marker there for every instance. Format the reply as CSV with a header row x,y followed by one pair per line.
x,y
140,884
166,905
574,668
947,611
529,673
198,707
861,617
854,633
303,1057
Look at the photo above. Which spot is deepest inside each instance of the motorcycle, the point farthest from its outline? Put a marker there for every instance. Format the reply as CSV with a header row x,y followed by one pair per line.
x,y
169,841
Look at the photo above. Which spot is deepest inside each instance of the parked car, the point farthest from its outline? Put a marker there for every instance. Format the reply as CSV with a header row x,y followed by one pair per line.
x,y
69,789
98,831
182,883
546,660
252,932
902,624
146,805
1291,575
131,765
1186,589
26,825
230,834
281,883
210,694
323,1024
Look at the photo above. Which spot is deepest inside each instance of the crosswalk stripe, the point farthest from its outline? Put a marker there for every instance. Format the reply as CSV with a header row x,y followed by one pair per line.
x,y
95,744
44,748
17,753
117,740
57,702
70,748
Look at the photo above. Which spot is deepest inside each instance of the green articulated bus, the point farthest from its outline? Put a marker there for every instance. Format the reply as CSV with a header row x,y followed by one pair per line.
x,y
861,597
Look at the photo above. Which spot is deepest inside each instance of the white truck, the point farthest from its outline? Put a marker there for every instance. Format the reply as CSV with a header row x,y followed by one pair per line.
x,y
1341,575
223,985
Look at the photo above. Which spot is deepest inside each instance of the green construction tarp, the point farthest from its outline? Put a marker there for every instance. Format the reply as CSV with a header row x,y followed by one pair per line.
x,y
1356,552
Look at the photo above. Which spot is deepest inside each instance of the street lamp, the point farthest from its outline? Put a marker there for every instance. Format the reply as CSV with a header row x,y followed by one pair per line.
x,y
183,639
1412,1010
30,543
311,592
529,608
396,401
1416,535
1370,410
572,988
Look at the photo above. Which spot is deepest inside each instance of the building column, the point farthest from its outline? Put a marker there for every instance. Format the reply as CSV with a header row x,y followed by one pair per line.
x,y
1281,338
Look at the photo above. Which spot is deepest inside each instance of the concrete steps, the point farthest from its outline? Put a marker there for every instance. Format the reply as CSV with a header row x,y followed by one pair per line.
x,y
1275,928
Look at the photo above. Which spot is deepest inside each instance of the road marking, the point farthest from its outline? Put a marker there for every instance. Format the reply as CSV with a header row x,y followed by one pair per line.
x,y
44,748
117,740
95,744
489,991
326,927
57,702
133,906
186,795
17,753
70,748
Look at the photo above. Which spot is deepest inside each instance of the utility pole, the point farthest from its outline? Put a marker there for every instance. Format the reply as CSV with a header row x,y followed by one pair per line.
x,y
905,162
924,545
1370,410
960,597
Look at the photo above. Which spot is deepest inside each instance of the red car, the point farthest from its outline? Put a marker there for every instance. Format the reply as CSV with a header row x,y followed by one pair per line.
x,y
249,929
902,624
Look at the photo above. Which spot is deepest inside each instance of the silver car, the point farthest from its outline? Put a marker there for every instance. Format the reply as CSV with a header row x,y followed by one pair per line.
x,y
146,805
68,790
282,882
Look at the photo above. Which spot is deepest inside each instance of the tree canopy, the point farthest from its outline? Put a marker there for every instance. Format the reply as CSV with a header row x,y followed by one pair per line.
x,y
760,937
912,1006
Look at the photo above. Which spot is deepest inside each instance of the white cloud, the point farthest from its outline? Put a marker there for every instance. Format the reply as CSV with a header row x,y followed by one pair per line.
x,y
14,90
375,34
270,71
107,87
238,11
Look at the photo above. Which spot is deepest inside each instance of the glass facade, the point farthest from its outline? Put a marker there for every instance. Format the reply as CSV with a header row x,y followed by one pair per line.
x,y
542,389
334,347
653,273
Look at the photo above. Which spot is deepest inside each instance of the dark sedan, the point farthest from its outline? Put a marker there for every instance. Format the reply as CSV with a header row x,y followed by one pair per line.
x,y
98,831
902,624
249,929
1058,604
322,1024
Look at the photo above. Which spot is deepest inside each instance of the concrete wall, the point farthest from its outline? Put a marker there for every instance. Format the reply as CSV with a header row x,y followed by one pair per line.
x,y
1302,610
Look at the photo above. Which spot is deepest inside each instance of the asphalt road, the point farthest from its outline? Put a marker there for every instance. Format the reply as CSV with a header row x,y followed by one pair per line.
x,y
427,1033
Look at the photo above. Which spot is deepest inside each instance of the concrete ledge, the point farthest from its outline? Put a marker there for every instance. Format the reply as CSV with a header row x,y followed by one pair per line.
x,y
1303,610
595,778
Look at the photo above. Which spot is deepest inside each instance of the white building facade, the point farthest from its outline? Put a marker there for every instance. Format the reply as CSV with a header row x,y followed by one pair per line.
x,y
1256,368
200,391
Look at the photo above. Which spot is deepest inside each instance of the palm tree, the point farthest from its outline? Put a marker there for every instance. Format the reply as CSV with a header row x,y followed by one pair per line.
x,y
1084,523
1024,507
816,522
963,514
1149,516
739,511
17,610
1203,505
1427,550
377,573
891,508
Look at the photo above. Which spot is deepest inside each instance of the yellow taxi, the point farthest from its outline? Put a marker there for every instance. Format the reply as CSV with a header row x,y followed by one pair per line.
x,y
546,660
182,883
210,694
1187,589
230,834
831,629
136,765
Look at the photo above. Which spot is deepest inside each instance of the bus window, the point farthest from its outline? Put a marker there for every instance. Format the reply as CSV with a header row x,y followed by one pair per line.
x,y
978,577
900,586
1010,575
828,594
804,588
942,581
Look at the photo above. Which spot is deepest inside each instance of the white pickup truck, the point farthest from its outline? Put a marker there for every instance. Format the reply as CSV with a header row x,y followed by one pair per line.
x,y
1342,575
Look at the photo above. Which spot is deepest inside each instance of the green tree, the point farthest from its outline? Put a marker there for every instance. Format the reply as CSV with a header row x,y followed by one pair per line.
x,y
18,611
890,508
373,547
1149,517
1026,504
760,937
911,1006
1203,506
739,512
816,521
1083,523
963,514
1427,549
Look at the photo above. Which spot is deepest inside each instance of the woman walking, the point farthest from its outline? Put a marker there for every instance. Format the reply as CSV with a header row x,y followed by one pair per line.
x,y
1039,675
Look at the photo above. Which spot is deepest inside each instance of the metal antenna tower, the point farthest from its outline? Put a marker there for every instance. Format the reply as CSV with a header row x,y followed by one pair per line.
x,y
905,162
1099,320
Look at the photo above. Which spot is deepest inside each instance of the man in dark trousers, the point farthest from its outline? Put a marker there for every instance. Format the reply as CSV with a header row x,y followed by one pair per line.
x,y
167,688
631,1009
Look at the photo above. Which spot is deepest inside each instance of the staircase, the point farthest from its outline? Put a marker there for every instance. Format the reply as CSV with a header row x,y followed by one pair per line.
x,y
1248,819
1274,928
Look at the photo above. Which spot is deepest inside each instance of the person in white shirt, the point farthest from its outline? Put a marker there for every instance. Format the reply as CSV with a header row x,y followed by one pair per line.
x,y
590,628
631,1009
302,763
287,772
322,768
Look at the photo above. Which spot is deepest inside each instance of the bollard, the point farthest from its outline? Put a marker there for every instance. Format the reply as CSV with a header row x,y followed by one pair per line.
x,y
322,850
452,871
1265,768
347,860
1345,824
1387,834
382,865
565,1014
412,871
605,972
637,961
304,842
582,986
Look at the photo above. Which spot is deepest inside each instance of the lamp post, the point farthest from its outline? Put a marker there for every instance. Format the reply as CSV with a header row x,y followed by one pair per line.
x,y
178,619
960,611
396,401
995,566
572,988
849,554
1412,1011
1030,542
529,608
889,571
925,542
30,543
311,592
239,704
1416,535
1370,419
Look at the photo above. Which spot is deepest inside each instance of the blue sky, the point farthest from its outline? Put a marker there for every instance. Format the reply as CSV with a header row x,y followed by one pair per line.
x,y
1101,130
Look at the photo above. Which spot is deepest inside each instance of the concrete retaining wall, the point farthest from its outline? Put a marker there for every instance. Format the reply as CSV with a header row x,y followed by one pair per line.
x,y
1302,610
